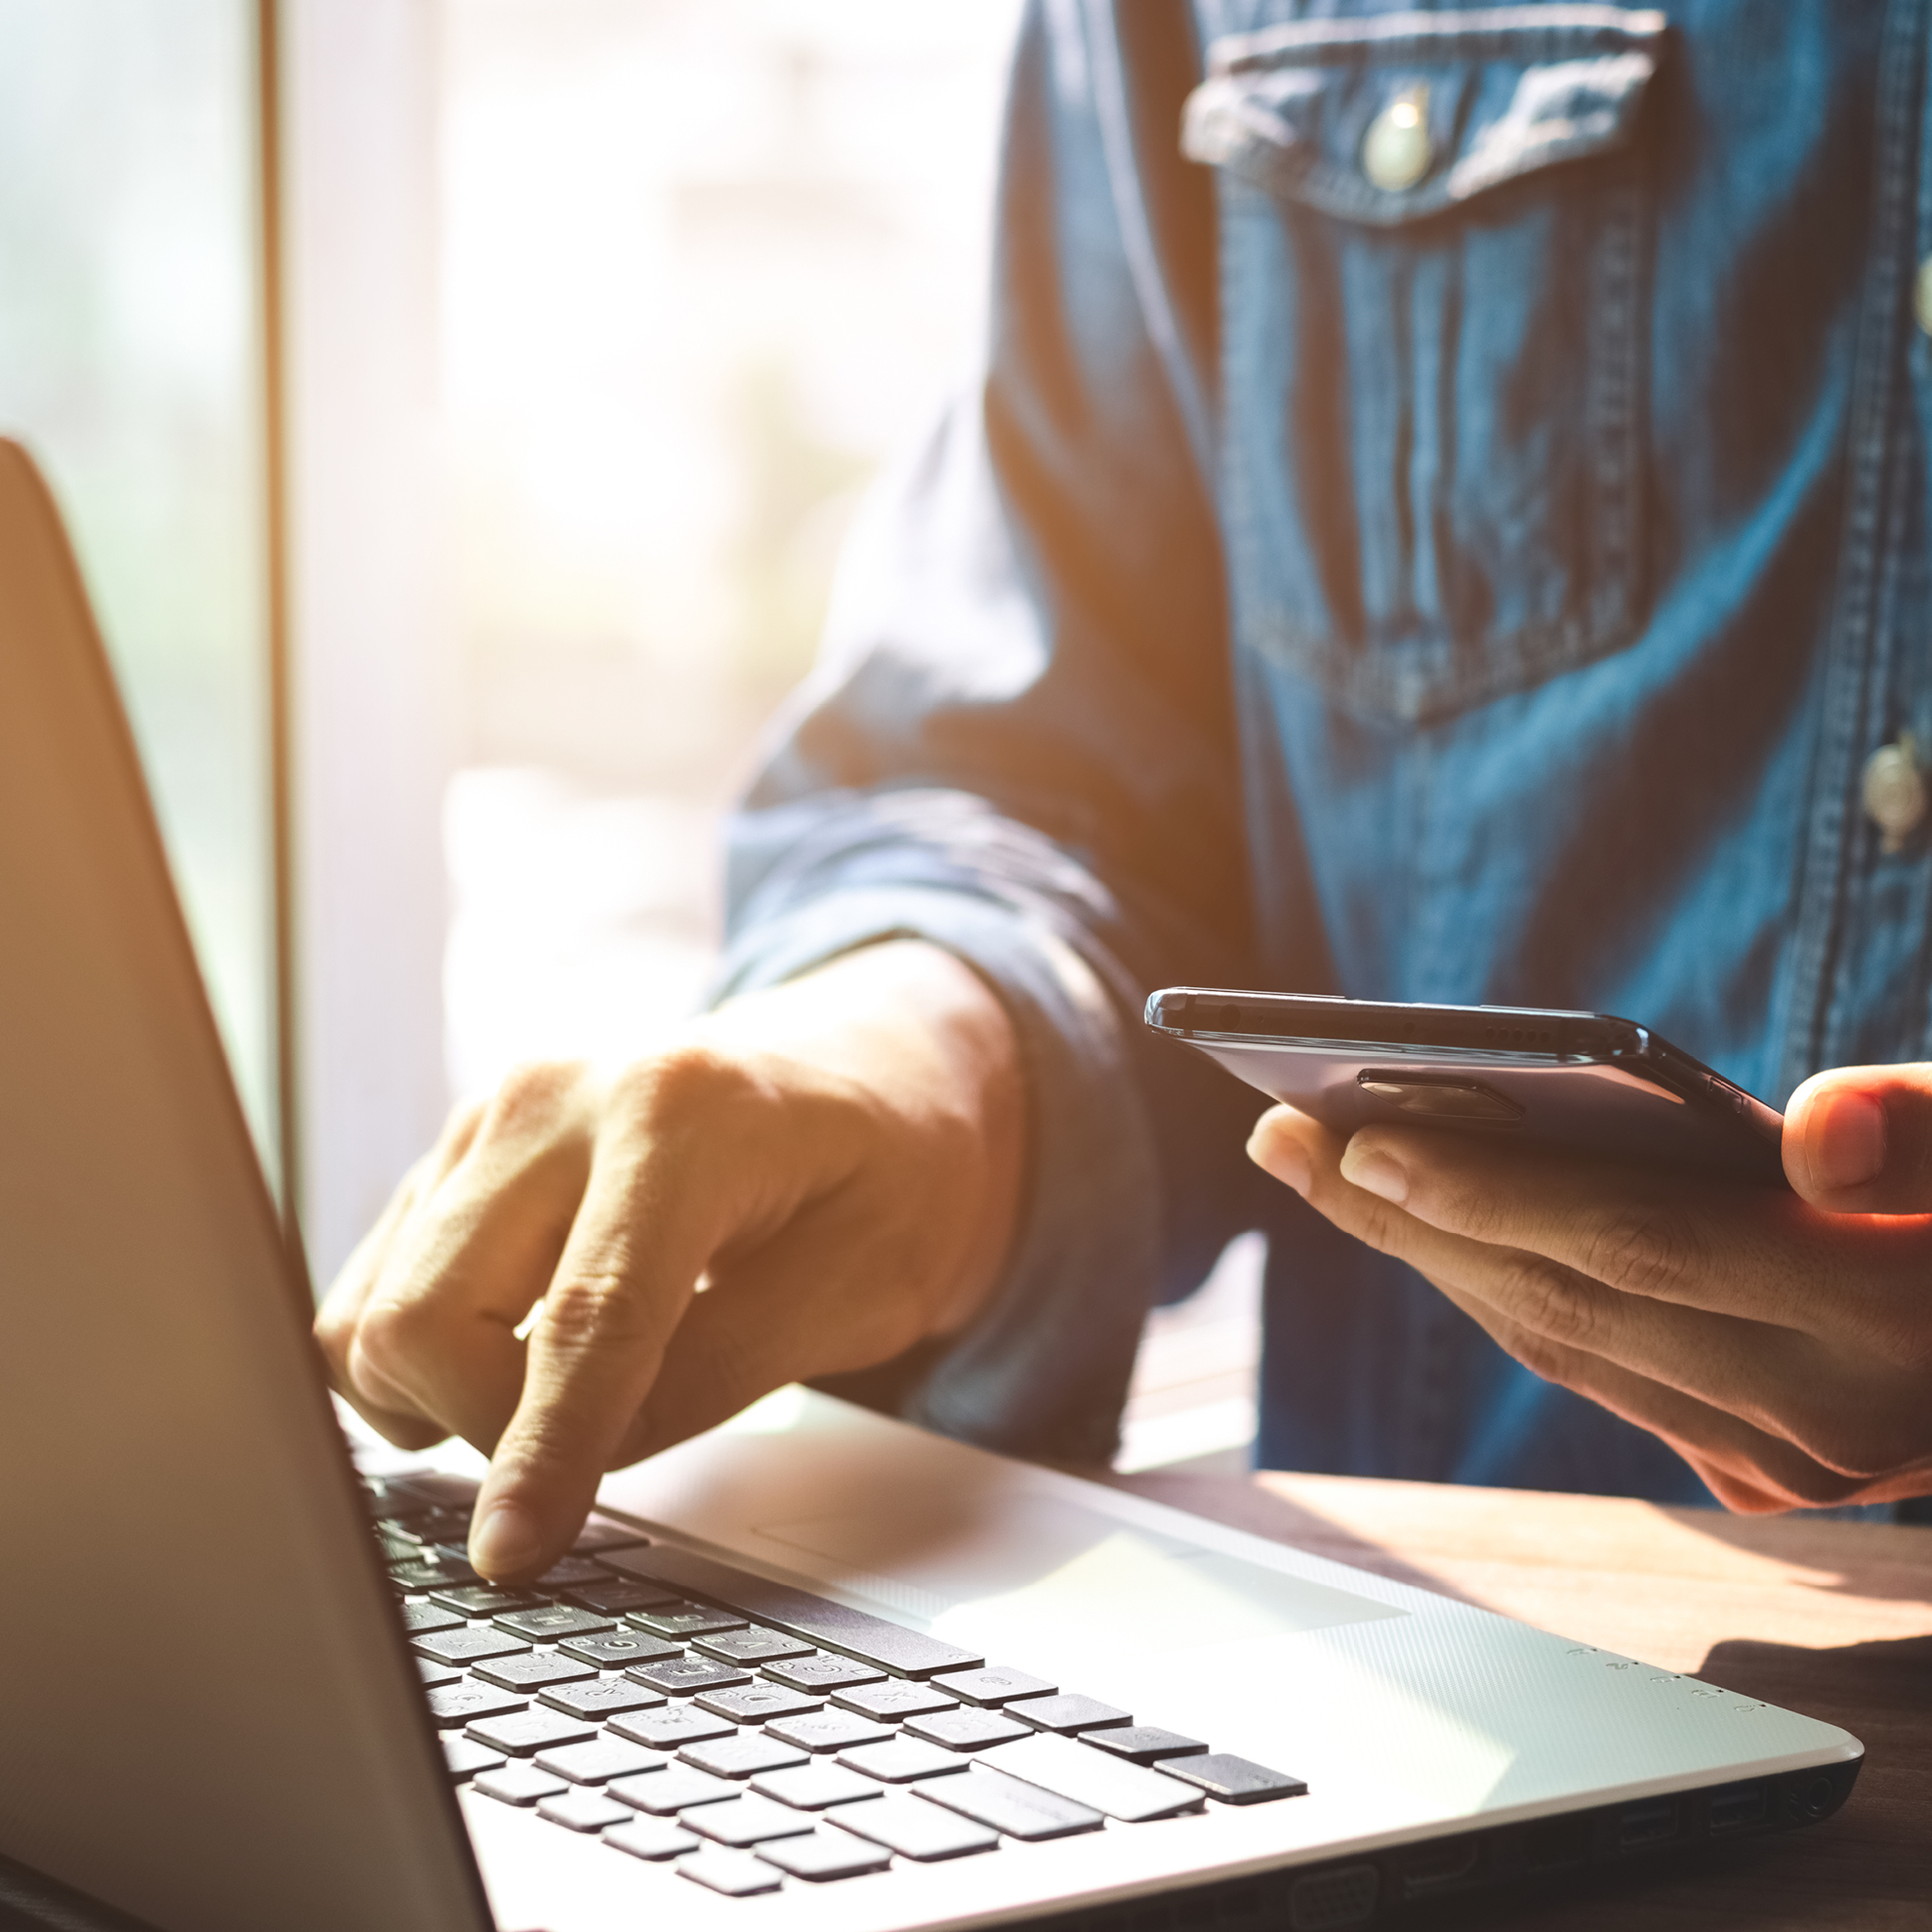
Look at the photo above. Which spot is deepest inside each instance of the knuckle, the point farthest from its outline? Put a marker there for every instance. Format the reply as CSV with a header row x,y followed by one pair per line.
x,y
591,1309
1647,1250
531,1095
1373,1222
694,1076
392,1334
458,1129
335,1331
1545,1357
1550,1302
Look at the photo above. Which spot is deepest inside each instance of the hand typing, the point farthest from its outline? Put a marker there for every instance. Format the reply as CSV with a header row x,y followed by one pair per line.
x,y
810,1180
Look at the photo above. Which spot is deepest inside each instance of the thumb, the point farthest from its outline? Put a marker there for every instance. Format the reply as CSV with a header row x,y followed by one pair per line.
x,y
1859,1141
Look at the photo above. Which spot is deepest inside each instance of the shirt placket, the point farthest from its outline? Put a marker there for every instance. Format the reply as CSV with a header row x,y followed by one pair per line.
x,y
1856,983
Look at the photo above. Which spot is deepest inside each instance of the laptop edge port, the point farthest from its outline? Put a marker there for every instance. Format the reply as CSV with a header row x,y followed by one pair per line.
x,y
1639,1827
1433,1867
1737,1808
1560,1844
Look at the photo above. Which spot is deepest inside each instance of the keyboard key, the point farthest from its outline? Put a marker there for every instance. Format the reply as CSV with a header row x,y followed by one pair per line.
x,y
433,1674
429,1526
966,1730
606,1533
458,1704
571,1573
737,1875
599,1760
995,1685
482,1599
757,1703
916,1830
651,1838
1130,1793
1142,1743
890,1700
749,1820
522,1733
742,1756
419,1618
670,1730
582,1810
534,1670
1004,1804
551,1622
871,1639
813,1787
1235,1780
431,1570
600,1696
441,1491
397,1545
823,1856
681,1676
822,1673
467,1645
464,1758
617,1594
752,1646
1066,1714
828,1730
903,1760
519,1783
680,1619
387,1496
616,1648
677,1788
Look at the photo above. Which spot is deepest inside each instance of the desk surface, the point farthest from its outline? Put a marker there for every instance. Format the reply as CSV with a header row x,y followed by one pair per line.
x,y
1831,1619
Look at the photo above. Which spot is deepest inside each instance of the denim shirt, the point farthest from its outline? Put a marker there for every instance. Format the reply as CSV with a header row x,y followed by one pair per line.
x,y
1443,517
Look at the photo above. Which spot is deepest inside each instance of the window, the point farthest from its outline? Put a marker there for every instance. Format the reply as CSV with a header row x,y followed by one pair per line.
x,y
130,332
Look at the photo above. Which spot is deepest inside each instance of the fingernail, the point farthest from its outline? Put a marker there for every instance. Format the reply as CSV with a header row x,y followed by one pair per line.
x,y
504,1540
1282,1155
1844,1139
1374,1172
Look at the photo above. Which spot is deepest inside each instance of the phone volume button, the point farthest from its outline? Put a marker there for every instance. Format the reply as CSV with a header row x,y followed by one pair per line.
x,y
1725,1094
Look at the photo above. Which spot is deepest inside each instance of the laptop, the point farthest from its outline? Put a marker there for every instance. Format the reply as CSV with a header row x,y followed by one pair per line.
x,y
813,1670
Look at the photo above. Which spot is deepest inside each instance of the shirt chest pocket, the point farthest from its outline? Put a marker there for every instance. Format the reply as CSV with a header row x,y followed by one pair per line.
x,y
1434,239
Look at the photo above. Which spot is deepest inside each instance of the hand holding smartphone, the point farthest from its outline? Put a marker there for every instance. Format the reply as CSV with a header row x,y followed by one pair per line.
x,y
1585,1083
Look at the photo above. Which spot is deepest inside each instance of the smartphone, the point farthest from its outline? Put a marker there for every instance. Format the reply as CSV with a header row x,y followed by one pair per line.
x,y
1589,1082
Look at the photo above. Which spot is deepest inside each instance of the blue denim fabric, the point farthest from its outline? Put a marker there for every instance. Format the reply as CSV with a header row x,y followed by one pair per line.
x,y
1481,589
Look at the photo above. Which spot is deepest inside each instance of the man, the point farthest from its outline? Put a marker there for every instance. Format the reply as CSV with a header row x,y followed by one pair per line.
x,y
1455,532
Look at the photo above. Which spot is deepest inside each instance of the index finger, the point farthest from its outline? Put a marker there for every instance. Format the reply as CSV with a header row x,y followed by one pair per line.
x,y
628,1271
696,1156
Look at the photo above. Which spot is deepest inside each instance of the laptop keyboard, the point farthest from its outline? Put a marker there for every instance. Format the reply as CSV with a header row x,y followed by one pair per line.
x,y
750,1735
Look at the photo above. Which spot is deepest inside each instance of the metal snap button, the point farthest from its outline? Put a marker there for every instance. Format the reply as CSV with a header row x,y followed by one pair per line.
x,y
1397,151
1894,790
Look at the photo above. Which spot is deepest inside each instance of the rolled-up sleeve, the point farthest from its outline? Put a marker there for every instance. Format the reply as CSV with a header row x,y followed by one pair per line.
x,y
1019,742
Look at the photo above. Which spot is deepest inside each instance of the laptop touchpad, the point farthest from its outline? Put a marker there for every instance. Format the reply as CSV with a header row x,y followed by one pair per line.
x,y
1036,1563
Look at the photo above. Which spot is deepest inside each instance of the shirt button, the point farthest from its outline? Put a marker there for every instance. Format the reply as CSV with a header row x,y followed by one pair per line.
x,y
1396,151
1894,790
1922,296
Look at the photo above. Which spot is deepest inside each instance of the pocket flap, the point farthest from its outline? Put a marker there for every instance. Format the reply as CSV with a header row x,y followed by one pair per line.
x,y
1392,117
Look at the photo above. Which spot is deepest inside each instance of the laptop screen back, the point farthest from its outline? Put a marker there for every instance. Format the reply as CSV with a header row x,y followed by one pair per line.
x,y
211,1721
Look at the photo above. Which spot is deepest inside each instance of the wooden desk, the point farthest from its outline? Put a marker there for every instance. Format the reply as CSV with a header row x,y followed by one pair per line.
x,y
1831,1618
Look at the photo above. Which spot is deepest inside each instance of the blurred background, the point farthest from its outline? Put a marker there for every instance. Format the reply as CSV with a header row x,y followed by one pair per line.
x,y
459,405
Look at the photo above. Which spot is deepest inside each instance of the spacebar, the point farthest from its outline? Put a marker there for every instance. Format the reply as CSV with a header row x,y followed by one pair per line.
x,y
871,1639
